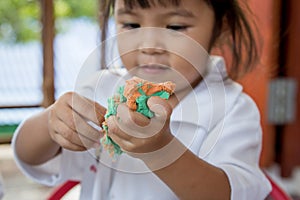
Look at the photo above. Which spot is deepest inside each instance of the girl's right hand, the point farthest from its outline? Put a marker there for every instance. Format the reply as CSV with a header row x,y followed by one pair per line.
x,y
69,122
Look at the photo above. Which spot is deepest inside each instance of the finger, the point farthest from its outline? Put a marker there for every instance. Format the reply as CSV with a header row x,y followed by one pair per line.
x,y
87,108
118,136
62,134
162,111
132,123
125,145
114,129
65,143
70,135
160,107
130,117
86,130
77,124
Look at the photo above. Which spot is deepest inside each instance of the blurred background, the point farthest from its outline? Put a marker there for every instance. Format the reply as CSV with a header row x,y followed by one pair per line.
x,y
43,44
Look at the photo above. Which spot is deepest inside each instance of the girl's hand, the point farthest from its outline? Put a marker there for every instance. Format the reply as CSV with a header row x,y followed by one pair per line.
x,y
68,122
137,134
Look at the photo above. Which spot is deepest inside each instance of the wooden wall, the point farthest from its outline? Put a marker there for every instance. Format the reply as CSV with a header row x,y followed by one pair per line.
x,y
256,83
290,155
48,32
279,48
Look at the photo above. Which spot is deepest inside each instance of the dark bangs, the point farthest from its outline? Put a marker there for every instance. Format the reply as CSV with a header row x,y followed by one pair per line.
x,y
144,4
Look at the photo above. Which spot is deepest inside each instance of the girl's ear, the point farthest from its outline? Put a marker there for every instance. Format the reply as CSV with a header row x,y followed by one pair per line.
x,y
222,35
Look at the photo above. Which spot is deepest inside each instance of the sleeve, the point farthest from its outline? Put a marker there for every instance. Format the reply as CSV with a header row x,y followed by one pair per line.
x,y
67,165
237,151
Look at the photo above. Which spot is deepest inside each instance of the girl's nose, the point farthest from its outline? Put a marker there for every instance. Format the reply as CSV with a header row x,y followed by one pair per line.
x,y
151,42
152,50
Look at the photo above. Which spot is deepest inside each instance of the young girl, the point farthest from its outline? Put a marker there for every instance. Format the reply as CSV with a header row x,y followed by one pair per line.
x,y
208,149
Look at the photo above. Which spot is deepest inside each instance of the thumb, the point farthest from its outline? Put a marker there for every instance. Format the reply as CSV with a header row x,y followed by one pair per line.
x,y
160,107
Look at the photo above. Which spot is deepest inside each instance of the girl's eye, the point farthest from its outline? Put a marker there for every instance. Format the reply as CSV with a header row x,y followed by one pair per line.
x,y
177,27
131,25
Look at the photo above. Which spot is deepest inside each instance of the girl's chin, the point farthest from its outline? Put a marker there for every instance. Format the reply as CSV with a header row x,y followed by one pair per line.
x,y
152,70
151,74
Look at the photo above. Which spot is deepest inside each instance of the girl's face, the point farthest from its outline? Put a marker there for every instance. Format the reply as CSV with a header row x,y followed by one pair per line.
x,y
192,18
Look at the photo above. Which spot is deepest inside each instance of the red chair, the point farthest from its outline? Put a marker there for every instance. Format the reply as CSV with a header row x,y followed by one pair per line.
x,y
62,190
277,192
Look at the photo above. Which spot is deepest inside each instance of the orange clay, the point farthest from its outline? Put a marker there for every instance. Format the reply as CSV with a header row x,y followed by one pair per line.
x,y
131,89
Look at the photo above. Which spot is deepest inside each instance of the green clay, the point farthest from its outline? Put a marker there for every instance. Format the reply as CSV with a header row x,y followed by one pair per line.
x,y
141,101
142,108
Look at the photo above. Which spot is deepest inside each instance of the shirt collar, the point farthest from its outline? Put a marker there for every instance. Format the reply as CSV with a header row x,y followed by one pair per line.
x,y
206,104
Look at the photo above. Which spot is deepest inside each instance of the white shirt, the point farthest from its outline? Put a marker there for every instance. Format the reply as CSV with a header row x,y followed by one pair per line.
x,y
217,122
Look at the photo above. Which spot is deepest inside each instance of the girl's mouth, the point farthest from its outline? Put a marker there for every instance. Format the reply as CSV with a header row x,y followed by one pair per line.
x,y
154,68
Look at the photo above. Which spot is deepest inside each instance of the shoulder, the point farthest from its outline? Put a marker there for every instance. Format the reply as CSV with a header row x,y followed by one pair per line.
x,y
234,96
217,98
246,105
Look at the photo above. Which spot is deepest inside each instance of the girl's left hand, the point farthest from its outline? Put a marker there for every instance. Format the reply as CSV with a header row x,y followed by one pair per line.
x,y
137,134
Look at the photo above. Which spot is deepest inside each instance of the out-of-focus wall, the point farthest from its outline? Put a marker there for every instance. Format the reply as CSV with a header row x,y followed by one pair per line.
x,y
267,19
290,154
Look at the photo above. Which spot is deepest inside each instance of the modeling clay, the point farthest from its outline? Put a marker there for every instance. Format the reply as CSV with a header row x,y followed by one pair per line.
x,y
135,93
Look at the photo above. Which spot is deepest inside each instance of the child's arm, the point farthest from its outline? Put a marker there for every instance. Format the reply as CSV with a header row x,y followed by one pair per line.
x,y
192,178
63,124
187,175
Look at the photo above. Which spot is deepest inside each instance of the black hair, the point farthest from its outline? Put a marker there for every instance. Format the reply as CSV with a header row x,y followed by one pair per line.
x,y
231,28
